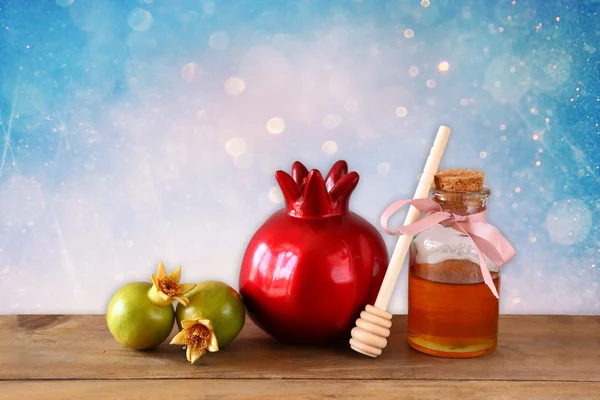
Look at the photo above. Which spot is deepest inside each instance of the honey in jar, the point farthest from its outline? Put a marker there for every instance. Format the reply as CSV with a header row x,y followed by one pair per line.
x,y
451,311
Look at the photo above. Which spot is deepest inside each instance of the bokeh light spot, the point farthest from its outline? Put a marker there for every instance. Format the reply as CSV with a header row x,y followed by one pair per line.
x,y
234,86
351,106
483,154
208,7
430,83
330,147
443,66
219,40
409,33
191,72
552,66
275,125
401,111
92,15
425,3
243,161
383,168
275,195
507,78
568,221
331,121
64,3
235,146
140,20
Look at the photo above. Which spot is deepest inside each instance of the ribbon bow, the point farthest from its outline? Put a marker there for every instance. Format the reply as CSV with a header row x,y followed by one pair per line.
x,y
487,240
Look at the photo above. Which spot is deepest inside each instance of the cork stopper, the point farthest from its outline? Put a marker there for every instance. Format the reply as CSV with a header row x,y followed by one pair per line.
x,y
458,180
460,191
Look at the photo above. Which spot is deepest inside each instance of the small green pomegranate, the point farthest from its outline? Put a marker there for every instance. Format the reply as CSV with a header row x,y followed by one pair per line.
x,y
140,315
214,317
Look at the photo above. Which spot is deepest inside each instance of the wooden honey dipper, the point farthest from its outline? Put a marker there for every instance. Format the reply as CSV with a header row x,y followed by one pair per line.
x,y
369,336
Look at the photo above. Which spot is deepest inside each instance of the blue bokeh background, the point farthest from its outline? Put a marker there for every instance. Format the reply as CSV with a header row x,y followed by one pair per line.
x,y
135,131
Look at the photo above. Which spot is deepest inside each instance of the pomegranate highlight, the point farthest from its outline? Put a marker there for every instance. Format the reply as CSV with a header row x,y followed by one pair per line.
x,y
313,266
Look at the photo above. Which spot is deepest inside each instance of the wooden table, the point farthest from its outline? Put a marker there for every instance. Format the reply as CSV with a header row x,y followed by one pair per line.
x,y
75,357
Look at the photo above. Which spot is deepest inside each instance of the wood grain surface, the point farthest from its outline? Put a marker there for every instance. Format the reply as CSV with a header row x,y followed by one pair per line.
x,y
264,389
64,356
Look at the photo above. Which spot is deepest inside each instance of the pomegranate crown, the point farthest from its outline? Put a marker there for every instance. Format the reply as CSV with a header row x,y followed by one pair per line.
x,y
307,195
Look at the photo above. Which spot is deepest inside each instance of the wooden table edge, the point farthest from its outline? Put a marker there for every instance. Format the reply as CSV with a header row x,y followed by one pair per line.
x,y
297,389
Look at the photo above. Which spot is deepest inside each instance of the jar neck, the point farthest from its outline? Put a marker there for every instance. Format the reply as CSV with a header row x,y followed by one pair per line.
x,y
461,203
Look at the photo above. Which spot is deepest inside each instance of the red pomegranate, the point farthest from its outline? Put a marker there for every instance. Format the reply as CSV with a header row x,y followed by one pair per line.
x,y
313,266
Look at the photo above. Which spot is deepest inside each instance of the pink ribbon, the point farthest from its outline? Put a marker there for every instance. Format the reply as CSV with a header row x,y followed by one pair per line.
x,y
486,238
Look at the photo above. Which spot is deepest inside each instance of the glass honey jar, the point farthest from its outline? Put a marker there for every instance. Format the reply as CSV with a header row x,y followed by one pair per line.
x,y
451,311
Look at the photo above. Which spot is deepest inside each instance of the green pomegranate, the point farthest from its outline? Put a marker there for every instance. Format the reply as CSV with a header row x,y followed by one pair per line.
x,y
140,315
214,317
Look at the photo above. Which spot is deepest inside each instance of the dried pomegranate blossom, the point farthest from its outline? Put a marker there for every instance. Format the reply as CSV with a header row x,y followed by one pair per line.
x,y
197,337
169,286
166,288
